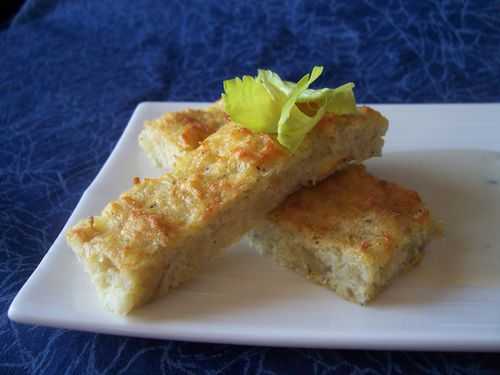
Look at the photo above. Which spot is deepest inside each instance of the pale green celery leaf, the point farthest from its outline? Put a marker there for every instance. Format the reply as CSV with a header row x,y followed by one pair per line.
x,y
274,82
297,126
271,79
311,95
293,124
299,88
341,100
267,104
265,77
251,104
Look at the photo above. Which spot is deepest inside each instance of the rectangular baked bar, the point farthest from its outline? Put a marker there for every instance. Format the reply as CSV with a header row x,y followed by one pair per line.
x,y
352,233
164,229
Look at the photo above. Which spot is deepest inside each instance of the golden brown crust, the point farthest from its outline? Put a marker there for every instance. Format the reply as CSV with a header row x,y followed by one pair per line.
x,y
356,211
187,129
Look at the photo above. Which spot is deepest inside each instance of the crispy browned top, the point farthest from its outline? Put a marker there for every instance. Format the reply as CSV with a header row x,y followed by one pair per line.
x,y
198,125
156,212
354,210
188,128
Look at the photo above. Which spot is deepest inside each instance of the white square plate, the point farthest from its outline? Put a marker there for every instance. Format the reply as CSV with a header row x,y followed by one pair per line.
x,y
450,302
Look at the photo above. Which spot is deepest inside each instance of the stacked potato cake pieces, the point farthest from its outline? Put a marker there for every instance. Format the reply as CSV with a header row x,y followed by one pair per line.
x,y
352,232
163,230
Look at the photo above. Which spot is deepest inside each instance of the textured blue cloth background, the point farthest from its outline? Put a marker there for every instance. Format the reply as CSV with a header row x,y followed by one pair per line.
x,y
72,72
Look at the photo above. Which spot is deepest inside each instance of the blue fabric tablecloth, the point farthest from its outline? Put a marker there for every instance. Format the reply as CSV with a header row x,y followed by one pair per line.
x,y
72,72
